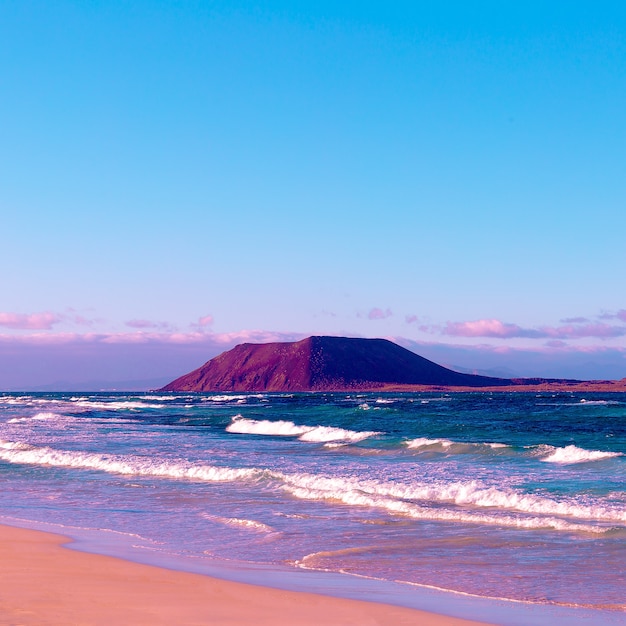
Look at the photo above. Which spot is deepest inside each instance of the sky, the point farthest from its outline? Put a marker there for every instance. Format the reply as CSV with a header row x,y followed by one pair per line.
x,y
178,177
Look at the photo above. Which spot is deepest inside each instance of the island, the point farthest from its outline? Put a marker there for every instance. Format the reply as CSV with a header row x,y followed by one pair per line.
x,y
323,363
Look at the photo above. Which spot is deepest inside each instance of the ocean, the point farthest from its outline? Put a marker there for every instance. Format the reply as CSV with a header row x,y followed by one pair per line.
x,y
502,496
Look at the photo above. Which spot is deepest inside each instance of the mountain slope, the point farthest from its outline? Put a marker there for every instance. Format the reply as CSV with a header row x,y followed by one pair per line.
x,y
322,364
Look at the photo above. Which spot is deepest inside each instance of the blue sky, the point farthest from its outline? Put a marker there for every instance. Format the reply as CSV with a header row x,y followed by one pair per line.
x,y
179,176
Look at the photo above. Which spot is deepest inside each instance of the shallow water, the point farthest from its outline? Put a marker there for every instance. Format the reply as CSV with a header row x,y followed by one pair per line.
x,y
497,495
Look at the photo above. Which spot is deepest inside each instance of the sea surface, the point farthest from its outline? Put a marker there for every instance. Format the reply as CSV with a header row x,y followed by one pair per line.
x,y
514,496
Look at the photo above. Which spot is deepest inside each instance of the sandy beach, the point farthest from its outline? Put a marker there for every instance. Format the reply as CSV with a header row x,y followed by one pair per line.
x,y
44,583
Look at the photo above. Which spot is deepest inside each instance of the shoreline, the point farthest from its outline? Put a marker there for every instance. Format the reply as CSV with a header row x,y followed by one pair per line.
x,y
40,564
43,582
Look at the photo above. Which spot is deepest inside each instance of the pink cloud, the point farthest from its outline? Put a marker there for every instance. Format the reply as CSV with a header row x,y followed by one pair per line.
x,y
146,324
587,330
32,321
143,337
411,319
497,329
574,320
44,357
379,314
483,328
79,320
207,320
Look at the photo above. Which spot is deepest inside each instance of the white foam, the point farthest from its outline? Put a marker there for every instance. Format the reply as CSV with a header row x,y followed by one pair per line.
x,y
572,454
358,497
19,452
265,427
239,399
162,398
460,501
117,406
424,442
13,445
281,428
247,524
353,491
446,444
41,417
327,433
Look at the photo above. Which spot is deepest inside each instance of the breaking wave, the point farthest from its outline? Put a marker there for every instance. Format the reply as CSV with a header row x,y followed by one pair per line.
x,y
129,405
424,501
469,501
237,399
451,446
39,417
18,452
281,428
572,454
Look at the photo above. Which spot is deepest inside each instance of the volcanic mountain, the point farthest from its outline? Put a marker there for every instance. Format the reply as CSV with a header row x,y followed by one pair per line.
x,y
322,364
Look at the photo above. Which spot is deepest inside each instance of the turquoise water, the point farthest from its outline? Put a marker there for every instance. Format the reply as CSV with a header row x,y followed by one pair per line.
x,y
517,496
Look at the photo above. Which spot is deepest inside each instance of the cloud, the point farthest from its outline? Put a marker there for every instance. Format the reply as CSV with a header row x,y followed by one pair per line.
x,y
618,315
574,320
146,324
31,321
551,359
556,343
484,328
411,319
379,314
203,323
70,339
72,360
207,320
501,330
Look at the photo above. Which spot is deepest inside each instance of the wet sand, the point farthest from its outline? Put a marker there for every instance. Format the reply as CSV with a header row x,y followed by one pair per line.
x,y
42,583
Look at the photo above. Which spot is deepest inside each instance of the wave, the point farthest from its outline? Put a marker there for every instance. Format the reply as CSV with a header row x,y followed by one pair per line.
x,y
22,453
572,454
13,445
567,455
461,501
167,398
117,406
40,417
281,428
247,524
424,501
355,497
238,399
451,446
60,420
424,442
